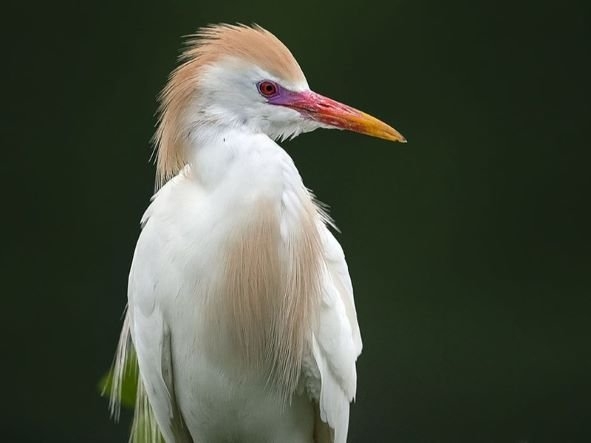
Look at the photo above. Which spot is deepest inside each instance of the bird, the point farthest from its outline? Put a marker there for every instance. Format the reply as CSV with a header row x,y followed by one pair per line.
x,y
240,317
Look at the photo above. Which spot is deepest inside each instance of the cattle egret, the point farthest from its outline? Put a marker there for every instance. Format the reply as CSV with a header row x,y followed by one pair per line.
x,y
240,315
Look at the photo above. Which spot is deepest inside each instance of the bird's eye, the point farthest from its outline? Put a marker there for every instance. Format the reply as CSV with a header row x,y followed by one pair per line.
x,y
267,88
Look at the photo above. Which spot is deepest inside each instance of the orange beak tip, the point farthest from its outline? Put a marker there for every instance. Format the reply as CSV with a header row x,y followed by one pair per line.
x,y
395,136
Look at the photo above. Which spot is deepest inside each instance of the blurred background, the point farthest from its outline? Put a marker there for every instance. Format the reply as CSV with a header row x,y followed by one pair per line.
x,y
469,247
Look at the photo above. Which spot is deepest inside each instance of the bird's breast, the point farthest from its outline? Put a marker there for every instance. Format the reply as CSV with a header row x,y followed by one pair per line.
x,y
266,298
249,236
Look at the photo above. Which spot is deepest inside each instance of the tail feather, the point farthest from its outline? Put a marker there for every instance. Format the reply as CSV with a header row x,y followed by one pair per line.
x,y
144,428
124,366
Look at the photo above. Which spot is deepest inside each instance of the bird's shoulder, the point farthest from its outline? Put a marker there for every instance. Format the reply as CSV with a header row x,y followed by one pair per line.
x,y
173,196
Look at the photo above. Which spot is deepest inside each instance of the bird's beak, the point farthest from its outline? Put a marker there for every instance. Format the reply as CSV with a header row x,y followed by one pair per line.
x,y
338,115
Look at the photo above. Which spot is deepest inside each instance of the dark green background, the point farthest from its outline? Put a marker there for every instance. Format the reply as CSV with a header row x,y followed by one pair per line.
x,y
469,247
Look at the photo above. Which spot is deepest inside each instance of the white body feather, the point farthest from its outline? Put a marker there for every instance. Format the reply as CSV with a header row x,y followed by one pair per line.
x,y
177,262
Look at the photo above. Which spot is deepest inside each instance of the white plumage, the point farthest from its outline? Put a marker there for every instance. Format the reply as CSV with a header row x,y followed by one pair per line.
x,y
240,305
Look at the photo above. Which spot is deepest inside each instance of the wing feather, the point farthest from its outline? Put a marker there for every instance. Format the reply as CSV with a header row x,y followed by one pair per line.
x,y
146,341
151,334
337,341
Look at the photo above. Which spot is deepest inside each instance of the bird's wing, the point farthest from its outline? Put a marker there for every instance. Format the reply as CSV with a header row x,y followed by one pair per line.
x,y
337,341
151,334
152,341
146,340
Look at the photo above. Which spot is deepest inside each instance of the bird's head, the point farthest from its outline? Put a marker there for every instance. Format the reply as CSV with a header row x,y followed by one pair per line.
x,y
244,77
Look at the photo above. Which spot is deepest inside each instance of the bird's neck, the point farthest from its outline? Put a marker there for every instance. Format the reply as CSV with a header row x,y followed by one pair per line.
x,y
272,249
222,154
